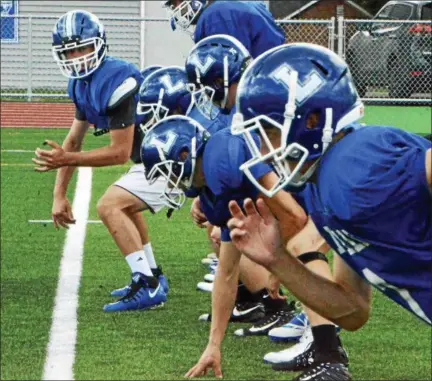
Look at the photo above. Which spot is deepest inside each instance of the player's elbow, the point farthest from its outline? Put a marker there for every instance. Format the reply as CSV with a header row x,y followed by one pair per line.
x,y
122,156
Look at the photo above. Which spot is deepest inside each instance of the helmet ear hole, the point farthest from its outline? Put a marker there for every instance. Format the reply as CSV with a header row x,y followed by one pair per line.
x,y
314,119
184,155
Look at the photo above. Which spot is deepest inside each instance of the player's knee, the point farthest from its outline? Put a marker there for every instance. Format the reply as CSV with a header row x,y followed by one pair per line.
x,y
106,208
356,321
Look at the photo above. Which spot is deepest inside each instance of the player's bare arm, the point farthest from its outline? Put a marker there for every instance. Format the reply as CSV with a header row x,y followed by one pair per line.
x,y
223,299
118,152
291,216
257,235
61,210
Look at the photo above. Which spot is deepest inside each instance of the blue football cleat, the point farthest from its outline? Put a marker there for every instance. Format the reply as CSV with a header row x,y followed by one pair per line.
x,y
157,272
122,292
292,331
145,293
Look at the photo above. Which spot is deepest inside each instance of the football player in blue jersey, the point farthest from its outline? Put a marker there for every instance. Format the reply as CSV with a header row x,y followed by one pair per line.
x,y
215,65
250,22
104,90
181,151
368,190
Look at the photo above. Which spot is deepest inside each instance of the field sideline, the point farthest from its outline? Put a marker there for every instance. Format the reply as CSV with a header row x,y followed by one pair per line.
x,y
161,344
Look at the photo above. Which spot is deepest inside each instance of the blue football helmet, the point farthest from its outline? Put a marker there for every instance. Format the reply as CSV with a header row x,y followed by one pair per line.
x,y
212,66
185,14
75,31
170,150
282,89
149,70
163,93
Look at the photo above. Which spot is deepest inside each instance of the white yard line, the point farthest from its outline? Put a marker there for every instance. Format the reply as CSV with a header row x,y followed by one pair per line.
x,y
50,222
61,347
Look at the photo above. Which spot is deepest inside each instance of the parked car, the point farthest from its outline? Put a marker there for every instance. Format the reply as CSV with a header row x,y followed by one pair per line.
x,y
396,55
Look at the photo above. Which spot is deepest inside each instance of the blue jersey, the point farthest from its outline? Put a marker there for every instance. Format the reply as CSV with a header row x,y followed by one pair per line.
x,y
371,202
212,126
250,22
223,154
94,96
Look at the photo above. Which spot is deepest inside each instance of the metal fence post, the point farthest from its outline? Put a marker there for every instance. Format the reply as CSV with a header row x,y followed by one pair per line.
x,y
341,37
332,34
142,34
29,60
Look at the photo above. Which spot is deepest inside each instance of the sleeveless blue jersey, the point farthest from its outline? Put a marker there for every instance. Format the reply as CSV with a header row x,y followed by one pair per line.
x,y
372,204
92,95
222,157
212,126
250,22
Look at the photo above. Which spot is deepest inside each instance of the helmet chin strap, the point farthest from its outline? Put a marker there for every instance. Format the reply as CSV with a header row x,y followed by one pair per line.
x,y
226,83
328,130
198,76
290,107
159,104
188,182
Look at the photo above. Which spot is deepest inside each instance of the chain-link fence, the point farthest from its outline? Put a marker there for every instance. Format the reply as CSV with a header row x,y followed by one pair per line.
x,y
28,69
320,32
391,61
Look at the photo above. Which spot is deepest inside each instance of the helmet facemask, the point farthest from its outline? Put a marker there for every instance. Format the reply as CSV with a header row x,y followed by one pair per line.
x,y
153,112
203,100
174,173
83,66
184,15
209,99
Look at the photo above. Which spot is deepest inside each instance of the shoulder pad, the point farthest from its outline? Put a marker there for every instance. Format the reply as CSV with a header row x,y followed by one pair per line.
x,y
111,76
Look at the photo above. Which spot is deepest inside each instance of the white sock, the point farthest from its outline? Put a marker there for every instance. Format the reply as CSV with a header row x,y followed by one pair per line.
x,y
149,255
138,263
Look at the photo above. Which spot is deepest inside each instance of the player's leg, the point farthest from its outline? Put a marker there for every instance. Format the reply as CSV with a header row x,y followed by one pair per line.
x,y
321,344
140,223
253,304
277,312
213,237
117,209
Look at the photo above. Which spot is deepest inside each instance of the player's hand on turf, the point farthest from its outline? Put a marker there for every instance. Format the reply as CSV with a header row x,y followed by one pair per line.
x,y
256,233
210,359
53,159
198,216
62,213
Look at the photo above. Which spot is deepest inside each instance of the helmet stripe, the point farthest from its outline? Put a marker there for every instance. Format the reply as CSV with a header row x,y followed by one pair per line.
x,y
69,24
73,28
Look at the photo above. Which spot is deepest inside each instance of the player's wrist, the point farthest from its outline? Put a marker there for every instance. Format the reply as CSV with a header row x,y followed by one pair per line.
x,y
71,159
59,195
277,259
214,343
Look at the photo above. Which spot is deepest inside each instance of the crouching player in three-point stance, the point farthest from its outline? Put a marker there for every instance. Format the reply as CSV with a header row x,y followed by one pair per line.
x,y
368,191
105,92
